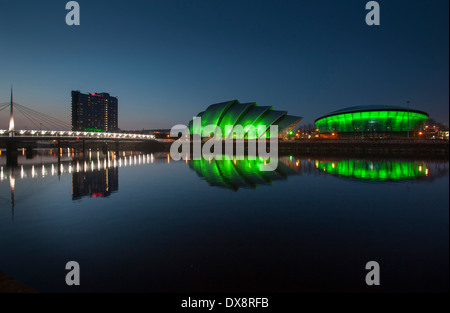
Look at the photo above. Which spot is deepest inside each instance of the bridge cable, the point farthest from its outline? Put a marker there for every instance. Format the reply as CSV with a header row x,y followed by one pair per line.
x,y
46,119
43,116
35,121
30,119
2,107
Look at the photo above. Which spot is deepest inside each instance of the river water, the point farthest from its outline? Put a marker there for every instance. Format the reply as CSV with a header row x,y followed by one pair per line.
x,y
138,222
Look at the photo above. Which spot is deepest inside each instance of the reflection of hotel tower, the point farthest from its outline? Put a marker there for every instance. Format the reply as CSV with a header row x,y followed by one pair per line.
x,y
96,184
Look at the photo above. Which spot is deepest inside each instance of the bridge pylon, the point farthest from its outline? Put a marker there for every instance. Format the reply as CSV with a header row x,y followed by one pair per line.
x,y
11,116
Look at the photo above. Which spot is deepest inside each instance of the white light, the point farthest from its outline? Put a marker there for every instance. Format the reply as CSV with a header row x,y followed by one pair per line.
x,y
12,182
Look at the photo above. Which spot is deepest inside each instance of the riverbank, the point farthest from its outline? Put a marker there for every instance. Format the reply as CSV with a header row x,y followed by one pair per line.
x,y
10,285
326,148
361,148
358,148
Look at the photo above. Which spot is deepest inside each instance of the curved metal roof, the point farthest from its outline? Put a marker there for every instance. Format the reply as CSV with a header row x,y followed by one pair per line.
x,y
287,122
214,112
235,113
365,108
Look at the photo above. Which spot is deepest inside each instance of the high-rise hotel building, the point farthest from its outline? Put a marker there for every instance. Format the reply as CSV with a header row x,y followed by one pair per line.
x,y
94,112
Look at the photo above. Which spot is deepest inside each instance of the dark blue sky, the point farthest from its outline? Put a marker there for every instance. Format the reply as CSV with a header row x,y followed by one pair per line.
x,y
168,60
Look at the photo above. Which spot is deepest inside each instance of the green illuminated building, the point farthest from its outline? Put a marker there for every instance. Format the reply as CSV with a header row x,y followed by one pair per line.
x,y
372,121
232,113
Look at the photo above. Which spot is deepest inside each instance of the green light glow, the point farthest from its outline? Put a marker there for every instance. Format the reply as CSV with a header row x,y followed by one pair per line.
x,y
235,174
94,130
234,113
378,121
374,171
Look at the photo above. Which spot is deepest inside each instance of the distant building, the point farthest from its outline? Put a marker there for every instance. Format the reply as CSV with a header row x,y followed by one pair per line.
x,y
94,112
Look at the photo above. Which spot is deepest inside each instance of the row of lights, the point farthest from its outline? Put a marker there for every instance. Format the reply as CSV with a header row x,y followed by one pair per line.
x,y
79,133
91,166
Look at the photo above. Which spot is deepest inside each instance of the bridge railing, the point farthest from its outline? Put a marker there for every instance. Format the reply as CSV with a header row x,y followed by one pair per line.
x,y
80,134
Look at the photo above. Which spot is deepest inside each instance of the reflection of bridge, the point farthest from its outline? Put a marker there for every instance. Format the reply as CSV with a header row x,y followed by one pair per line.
x,y
96,175
48,128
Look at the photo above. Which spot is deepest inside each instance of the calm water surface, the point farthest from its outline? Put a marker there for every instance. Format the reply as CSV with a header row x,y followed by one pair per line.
x,y
145,223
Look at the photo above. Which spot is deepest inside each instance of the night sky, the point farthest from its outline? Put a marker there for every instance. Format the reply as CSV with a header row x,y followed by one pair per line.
x,y
168,60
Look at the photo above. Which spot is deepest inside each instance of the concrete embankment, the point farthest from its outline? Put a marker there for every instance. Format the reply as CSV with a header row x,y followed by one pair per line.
x,y
10,285
358,148
335,148
426,149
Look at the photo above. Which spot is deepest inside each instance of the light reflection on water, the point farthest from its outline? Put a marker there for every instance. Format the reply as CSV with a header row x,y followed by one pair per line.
x,y
228,172
215,225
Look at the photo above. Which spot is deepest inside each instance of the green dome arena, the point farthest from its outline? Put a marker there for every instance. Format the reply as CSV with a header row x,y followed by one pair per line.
x,y
372,121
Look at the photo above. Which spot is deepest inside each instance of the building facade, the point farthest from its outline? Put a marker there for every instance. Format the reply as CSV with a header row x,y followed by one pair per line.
x,y
373,121
233,113
94,112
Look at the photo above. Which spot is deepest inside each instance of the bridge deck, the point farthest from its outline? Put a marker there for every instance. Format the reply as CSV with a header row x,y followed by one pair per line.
x,y
70,135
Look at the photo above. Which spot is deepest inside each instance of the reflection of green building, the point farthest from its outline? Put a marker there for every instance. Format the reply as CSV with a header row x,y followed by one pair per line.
x,y
245,114
233,174
372,120
374,171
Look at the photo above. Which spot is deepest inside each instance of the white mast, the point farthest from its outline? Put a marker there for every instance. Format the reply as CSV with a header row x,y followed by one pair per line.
x,y
11,118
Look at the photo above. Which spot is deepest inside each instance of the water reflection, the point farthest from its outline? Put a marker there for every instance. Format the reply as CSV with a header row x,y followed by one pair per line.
x,y
97,175
368,170
163,211
233,174
95,184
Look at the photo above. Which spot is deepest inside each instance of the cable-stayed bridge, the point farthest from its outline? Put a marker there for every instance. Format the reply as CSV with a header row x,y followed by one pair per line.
x,y
48,127
44,128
